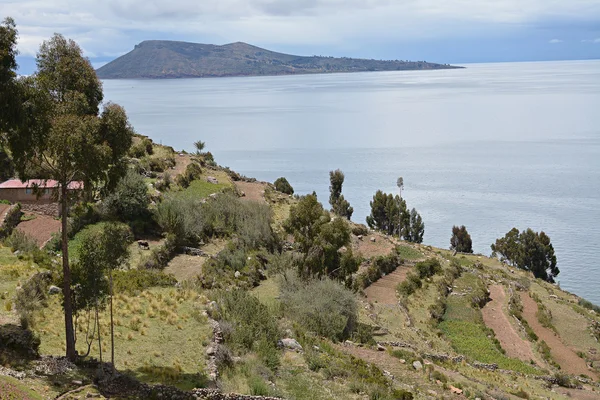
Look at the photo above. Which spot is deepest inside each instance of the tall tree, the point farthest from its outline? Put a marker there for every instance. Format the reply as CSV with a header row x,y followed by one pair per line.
x,y
339,205
461,240
102,251
528,250
9,109
59,134
320,240
417,227
400,184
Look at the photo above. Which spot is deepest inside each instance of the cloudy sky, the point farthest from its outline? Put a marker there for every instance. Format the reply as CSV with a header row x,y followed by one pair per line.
x,y
453,31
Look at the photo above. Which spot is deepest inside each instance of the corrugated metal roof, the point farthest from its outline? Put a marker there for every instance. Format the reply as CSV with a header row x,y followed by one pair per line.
x,y
41,183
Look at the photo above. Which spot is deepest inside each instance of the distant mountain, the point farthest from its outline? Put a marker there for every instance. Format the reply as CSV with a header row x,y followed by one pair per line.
x,y
155,59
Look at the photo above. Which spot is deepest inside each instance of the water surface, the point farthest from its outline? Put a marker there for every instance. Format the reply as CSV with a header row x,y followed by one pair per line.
x,y
492,146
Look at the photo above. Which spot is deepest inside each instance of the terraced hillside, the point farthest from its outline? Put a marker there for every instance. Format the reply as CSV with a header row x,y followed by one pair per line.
x,y
218,316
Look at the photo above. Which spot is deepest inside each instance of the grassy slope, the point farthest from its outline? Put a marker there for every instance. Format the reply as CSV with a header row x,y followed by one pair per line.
x,y
161,335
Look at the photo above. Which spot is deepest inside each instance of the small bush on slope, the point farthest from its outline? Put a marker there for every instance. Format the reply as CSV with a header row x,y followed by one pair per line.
x,y
322,306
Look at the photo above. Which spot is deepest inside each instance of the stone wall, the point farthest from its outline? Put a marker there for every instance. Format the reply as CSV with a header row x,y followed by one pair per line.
x,y
50,209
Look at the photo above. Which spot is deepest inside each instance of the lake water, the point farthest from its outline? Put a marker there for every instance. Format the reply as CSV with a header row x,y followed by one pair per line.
x,y
493,146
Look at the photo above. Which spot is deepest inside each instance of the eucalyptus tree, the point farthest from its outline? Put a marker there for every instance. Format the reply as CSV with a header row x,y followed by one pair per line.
x,y
59,131
400,184
339,205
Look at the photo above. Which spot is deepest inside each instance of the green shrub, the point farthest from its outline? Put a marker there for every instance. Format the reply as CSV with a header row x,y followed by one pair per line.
x,y
322,306
360,230
163,184
282,185
31,297
252,327
136,280
160,256
401,394
428,268
18,341
586,304
80,216
191,173
380,266
404,355
410,285
129,201
438,376
226,215
19,240
11,220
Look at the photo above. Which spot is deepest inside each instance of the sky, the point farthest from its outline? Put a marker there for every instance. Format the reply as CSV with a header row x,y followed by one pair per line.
x,y
445,31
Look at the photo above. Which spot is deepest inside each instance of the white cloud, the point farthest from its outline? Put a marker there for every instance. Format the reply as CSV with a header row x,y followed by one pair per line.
x,y
108,27
555,41
597,40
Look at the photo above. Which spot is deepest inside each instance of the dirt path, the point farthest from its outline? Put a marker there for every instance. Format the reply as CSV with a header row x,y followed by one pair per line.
x,y
383,291
40,228
253,191
567,359
496,319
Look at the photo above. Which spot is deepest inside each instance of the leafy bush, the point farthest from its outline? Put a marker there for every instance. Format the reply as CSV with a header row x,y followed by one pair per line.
x,y
586,304
160,256
380,266
322,306
31,297
17,340
19,240
163,184
11,220
136,280
360,229
192,221
282,185
252,326
410,285
80,216
191,173
428,268
129,201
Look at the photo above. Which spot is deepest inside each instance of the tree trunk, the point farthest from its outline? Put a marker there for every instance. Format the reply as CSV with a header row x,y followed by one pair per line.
x,y
112,327
99,336
69,331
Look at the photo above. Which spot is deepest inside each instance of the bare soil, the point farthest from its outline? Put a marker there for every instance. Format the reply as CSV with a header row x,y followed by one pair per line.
x,y
496,319
254,191
383,291
181,163
381,247
40,228
569,362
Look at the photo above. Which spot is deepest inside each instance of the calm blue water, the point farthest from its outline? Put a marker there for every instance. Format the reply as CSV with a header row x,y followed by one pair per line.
x,y
491,147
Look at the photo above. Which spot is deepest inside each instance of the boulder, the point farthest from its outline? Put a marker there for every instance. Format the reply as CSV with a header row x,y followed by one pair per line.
x,y
455,390
373,239
54,290
417,365
291,344
380,348
237,274
212,179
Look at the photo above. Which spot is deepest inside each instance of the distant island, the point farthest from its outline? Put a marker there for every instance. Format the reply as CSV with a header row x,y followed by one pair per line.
x,y
159,59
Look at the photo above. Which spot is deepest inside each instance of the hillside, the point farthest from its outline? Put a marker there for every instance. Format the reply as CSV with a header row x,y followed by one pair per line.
x,y
155,59
474,328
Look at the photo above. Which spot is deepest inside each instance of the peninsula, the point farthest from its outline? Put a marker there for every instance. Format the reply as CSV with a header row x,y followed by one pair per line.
x,y
157,59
